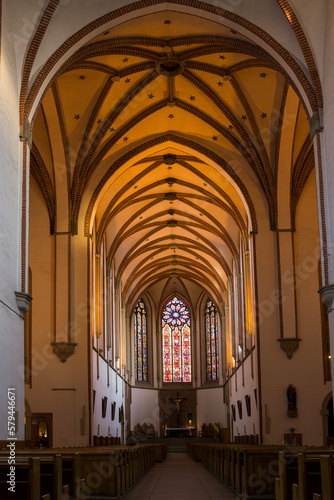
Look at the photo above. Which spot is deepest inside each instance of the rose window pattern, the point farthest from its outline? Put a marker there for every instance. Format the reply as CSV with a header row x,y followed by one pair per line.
x,y
176,342
140,334
211,341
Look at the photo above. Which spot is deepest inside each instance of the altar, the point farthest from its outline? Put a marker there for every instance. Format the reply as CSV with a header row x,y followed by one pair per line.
x,y
178,431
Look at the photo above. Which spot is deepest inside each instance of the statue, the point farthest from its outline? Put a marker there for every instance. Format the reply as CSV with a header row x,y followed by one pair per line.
x,y
292,401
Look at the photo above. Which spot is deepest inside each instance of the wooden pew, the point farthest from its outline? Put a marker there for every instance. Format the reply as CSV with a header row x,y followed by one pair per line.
x,y
315,477
287,475
107,473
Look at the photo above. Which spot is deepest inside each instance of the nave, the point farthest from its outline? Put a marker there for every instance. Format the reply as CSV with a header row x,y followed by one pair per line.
x,y
179,478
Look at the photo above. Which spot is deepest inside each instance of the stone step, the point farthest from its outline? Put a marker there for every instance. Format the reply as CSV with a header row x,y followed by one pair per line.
x,y
176,449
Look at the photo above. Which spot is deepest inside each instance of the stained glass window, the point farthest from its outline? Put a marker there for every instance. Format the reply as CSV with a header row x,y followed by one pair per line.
x,y
176,342
140,331
211,341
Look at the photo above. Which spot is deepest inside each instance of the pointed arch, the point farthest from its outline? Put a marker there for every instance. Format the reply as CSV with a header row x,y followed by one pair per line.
x,y
140,341
176,341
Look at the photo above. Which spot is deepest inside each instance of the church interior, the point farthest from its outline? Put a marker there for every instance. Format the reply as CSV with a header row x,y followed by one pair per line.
x,y
167,222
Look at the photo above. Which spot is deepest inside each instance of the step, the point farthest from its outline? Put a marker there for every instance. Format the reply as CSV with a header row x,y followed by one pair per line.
x,y
176,449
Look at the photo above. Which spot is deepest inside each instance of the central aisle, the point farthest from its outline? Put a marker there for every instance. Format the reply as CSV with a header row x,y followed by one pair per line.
x,y
179,478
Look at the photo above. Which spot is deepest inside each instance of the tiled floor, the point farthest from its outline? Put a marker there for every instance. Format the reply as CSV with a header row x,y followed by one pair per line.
x,y
179,478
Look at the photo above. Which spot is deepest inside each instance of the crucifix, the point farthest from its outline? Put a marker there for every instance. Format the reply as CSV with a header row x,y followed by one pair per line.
x,y
177,400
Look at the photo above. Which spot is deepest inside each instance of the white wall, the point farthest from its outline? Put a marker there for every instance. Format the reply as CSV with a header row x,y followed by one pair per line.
x,y
11,330
145,407
114,392
243,383
210,407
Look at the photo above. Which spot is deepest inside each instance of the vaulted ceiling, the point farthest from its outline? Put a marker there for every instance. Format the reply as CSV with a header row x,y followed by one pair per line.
x,y
165,135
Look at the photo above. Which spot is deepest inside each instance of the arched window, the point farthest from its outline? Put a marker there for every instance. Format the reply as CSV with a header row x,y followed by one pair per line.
x,y
176,342
211,341
140,330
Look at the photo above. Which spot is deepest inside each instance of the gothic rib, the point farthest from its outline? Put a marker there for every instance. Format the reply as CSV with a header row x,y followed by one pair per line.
x,y
279,129
303,167
210,249
197,274
42,75
250,154
159,264
227,237
139,269
305,48
65,143
42,177
177,140
199,280
106,217
260,168
249,113
182,105
160,198
160,157
88,167
114,113
235,211
32,53
267,58
122,234
87,134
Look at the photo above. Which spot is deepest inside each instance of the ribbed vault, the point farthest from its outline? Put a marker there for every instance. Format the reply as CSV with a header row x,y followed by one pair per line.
x,y
163,137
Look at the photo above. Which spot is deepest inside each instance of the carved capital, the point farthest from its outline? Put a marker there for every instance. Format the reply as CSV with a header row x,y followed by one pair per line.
x,y
316,123
63,350
26,132
289,346
327,296
22,301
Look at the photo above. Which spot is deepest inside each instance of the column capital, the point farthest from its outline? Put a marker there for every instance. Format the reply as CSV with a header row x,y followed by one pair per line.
x,y
327,296
22,301
289,346
63,350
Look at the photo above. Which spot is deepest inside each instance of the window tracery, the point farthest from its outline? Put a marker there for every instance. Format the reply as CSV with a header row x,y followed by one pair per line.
x,y
176,342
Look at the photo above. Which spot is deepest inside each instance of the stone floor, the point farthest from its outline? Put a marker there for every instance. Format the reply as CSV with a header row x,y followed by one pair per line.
x,y
179,478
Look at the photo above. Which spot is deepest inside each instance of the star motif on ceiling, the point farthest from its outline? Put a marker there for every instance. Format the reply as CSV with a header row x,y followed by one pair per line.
x,y
263,75
127,80
150,96
125,139
230,127
192,97
125,59
222,57
99,120
244,117
215,138
220,84
82,77
112,129
168,21
234,32
77,117
106,33
170,116
263,115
